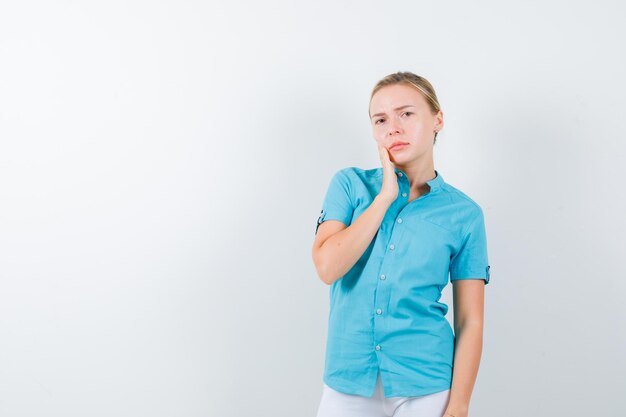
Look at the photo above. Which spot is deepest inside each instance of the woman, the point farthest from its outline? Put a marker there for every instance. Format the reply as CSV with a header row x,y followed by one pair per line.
x,y
386,241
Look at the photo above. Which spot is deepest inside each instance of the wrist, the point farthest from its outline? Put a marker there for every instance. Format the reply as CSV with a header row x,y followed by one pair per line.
x,y
384,200
456,412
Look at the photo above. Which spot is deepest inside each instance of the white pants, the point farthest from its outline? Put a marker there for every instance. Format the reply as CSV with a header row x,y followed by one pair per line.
x,y
338,404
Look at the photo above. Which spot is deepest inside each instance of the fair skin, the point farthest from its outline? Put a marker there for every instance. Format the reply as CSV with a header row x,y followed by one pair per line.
x,y
401,113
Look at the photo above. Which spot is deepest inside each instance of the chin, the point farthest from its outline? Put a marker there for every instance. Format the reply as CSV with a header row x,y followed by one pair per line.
x,y
401,159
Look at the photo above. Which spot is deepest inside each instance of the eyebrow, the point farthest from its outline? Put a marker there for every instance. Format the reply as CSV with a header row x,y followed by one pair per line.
x,y
396,109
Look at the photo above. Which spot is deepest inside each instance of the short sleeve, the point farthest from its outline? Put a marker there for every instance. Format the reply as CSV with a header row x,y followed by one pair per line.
x,y
471,261
337,204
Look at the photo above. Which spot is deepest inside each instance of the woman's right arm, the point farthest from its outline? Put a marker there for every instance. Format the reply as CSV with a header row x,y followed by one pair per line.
x,y
338,247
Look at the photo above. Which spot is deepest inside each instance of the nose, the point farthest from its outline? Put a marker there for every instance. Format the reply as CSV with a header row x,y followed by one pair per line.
x,y
394,127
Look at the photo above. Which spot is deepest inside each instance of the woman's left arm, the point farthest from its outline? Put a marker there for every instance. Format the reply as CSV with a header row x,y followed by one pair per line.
x,y
469,295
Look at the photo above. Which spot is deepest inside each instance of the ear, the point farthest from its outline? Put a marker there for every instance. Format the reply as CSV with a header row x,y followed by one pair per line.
x,y
439,121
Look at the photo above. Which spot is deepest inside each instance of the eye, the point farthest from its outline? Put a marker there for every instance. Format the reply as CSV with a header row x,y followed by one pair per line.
x,y
408,112
376,122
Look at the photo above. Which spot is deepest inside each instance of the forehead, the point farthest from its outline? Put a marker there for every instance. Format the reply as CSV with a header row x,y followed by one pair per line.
x,y
392,96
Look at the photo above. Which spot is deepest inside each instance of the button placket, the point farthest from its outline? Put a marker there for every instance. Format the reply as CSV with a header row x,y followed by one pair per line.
x,y
384,291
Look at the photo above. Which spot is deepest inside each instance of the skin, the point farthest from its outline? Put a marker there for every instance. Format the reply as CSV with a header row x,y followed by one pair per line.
x,y
337,247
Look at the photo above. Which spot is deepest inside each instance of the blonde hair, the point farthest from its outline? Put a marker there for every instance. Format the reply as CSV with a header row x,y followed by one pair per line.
x,y
421,84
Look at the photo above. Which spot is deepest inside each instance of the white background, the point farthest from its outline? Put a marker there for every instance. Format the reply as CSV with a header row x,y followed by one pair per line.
x,y
163,165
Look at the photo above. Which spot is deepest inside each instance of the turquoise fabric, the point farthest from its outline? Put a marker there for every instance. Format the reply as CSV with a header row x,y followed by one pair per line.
x,y
385,312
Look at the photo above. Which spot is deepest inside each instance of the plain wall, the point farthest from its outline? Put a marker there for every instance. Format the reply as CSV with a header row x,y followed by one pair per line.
x,y
163,165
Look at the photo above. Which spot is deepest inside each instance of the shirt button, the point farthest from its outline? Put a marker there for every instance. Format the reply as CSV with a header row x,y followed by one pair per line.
x,y
399,174
403,194
392,247
377,347
383,276
400,220
379,311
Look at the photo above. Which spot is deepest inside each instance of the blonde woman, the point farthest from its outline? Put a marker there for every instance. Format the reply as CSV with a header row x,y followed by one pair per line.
x,y
386,242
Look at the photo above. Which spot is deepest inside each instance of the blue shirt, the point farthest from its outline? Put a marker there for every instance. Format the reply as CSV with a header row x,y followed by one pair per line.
x,y
385,313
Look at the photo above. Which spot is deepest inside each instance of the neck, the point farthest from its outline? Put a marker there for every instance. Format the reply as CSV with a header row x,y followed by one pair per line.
x,y
418,175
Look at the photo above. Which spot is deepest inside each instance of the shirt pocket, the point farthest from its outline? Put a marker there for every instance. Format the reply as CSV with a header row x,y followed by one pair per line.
x,y
429,247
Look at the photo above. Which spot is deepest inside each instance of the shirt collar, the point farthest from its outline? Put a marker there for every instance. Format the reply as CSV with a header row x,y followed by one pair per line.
x,y
434,184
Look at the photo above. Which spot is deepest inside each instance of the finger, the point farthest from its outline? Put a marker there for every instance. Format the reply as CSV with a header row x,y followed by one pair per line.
x,y
382,153
381,149
387,156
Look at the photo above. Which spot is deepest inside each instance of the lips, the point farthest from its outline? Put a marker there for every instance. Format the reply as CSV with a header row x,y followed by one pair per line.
x,y
398,145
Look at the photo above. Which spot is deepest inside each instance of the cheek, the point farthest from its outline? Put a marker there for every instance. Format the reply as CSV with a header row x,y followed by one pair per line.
x,y
421,128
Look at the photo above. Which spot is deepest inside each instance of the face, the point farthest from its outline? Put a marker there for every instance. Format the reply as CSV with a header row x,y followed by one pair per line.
x,y
399,113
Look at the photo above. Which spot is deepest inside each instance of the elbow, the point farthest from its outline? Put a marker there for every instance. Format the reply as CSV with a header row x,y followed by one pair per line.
x,y
329,275
326,280
323,274
475,325
325,265
322,269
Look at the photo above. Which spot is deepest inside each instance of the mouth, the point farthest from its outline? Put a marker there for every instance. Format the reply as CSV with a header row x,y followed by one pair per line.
x,y
398,146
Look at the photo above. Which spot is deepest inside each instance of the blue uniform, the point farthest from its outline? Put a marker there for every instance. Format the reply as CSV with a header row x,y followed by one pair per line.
x,y
385,314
